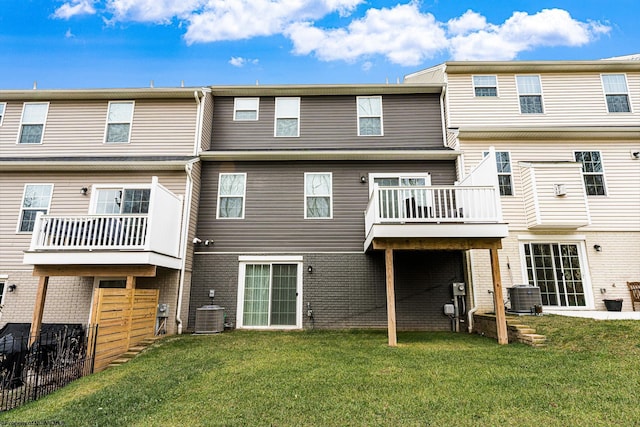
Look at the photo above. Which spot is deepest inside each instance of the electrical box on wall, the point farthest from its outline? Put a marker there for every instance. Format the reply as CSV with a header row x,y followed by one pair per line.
x,y
212,293
163,310
459,289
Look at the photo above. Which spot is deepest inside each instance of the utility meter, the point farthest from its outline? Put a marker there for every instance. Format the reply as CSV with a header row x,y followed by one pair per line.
x,y
459,289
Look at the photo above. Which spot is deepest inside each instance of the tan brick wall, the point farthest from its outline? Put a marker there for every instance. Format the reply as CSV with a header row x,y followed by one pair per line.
x,y
609,269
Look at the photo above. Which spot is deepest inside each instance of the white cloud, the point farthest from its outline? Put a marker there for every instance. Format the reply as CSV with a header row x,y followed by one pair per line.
x,y
238,61
242,19
402,34
69,34
156,11
521,32
468,22
367,66
74,8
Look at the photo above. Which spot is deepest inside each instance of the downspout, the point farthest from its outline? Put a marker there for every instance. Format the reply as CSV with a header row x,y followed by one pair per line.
x,y
470,274
188,168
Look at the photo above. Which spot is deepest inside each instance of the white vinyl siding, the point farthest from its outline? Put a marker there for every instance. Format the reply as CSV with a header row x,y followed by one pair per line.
x,y
3,106
485,86
592,172
246,109
616,93
34,117
530,94
287,117
119,118
36,198
231,195
318,195
370,116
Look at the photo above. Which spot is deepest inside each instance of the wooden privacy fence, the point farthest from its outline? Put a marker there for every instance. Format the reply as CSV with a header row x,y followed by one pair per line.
x,y
124,317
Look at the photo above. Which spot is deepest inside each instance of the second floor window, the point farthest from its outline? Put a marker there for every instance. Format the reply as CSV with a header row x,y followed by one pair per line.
x,y
485,86
34,115
119,118
616,92
122,201
3,105
592,172
231,195
530,94
36,198
503,162
287,122
369,116
317,195
246,109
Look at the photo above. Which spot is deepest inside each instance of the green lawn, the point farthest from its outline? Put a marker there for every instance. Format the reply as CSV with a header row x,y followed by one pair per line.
x,y
588,375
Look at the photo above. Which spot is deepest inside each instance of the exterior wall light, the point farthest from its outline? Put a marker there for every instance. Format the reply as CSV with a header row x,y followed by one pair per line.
x,y
598,248
84,191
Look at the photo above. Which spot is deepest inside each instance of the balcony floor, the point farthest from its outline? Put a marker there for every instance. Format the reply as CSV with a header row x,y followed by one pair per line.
x,y
100,257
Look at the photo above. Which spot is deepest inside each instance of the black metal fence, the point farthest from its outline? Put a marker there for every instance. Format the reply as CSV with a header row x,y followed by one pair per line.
x,y
61,354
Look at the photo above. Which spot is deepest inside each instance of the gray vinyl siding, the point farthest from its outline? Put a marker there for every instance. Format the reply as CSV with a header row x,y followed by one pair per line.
x,y
347,290
274,209
159,127
207,123
330,122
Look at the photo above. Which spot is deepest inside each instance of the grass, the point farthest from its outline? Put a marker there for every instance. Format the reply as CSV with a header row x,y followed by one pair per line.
x,y
588,375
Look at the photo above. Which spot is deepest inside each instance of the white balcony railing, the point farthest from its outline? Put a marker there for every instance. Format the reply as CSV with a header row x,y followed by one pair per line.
x,y
437,204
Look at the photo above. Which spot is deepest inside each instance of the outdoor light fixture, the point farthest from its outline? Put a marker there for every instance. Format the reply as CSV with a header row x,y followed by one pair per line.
x,y
310,269
636,154
598,248
363,179
83,191
12,288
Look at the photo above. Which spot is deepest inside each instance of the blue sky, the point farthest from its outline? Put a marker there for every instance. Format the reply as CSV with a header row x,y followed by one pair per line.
x,y
128,43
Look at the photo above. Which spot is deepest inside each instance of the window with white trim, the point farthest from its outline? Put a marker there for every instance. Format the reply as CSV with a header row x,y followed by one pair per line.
x,y
269,293
231,195
36,198
34,116
2,287
616,93
119,119
556,268
530,94
318,197
121,201
287,117
369,116
592,172
505,181
246,109
485,86
3,107
411,200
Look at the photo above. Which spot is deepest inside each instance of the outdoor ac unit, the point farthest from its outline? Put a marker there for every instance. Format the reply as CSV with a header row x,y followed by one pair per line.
x,y
524,298
209,319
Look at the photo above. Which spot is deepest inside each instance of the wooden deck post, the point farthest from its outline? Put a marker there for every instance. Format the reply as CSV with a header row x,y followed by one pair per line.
x,y
498,300
391,298
38,309
131,282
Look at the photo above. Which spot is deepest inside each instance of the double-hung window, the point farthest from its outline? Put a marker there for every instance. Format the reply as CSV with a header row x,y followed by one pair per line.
x,y
119,118
287,123
485,86
616,93
370,116
530,94
3,106
503,163
592,172
246,109
231,195
318,195
36,198
34,116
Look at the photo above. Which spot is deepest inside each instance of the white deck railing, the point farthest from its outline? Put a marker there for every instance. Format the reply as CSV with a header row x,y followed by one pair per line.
x,y
389,205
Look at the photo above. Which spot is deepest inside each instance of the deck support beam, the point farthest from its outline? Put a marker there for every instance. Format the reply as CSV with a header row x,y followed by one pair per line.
x,y
498,299
38,310
391,298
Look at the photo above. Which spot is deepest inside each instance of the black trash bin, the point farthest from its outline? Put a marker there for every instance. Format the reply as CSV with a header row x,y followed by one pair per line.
x,y
613,304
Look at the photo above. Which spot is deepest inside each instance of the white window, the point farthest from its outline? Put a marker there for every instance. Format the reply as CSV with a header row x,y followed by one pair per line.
x,y
411,200
485,86
616,93
505,181
270,292
34,116
119,118
370,116
3,106
318,196
36,198
2,287
287,123
557,269
592,172
246,109
121,201
231,195
530,93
